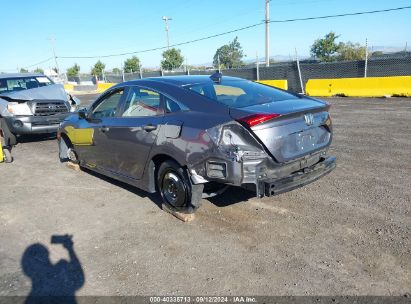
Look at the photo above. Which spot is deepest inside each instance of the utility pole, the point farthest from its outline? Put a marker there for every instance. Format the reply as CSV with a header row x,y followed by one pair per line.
x,y
267,33
52,40
122,71
299,72
166,19
187,69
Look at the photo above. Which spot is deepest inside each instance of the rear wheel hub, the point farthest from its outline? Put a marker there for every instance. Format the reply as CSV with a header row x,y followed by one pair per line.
x,y
173,189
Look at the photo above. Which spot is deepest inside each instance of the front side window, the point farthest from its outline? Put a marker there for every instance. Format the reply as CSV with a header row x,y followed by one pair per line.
x,y
141,102
23,83
108,107
240,93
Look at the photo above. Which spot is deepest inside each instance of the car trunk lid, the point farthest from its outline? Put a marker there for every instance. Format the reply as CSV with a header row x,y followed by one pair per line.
x,y
289,129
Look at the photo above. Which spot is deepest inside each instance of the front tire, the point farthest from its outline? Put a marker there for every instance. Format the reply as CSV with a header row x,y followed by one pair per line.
x,y
9,139
67,152
7,156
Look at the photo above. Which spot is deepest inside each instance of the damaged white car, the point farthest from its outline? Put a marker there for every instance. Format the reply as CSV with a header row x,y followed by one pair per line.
x,y
32,104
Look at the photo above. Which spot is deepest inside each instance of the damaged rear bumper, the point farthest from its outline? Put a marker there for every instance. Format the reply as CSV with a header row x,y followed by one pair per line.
x,y
270,187
263,175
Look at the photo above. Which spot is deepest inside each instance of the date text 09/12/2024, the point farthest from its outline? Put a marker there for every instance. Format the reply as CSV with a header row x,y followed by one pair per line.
x,y
203,299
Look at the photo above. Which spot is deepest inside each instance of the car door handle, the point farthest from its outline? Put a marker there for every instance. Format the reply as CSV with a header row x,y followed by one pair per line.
x,y
104,129
150,127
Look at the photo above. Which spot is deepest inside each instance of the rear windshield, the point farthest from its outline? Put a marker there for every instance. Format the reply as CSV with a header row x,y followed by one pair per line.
x,y
240,93
23,83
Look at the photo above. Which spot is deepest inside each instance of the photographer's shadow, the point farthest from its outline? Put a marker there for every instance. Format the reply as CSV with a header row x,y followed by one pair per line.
x,y
58,281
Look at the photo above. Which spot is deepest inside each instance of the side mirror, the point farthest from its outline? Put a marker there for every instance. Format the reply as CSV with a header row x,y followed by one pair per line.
x,y
75,100
82,114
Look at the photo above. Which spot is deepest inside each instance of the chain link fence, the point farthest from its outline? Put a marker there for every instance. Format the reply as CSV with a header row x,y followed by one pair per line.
x,y
398,65
376,67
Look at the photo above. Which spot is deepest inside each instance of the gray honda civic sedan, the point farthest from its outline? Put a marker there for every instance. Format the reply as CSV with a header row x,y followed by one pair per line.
x,y
190,137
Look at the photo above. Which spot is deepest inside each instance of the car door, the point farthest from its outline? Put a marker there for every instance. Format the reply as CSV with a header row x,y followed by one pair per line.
x,y
100,119
135,131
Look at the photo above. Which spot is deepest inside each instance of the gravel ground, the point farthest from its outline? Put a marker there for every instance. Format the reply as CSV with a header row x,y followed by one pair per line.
x,y
346,234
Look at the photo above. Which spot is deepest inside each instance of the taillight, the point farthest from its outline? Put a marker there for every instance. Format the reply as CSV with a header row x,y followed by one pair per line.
x,y
255,119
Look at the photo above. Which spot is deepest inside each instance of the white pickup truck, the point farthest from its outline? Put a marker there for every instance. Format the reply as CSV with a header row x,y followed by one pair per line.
x,y
32,103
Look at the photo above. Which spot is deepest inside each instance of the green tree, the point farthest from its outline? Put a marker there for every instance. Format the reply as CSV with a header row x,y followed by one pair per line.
x,y
98,68
172,59
197,67
132,65
325,48
351,51
39,70
116,71
73,71
23,70
377,54
230,55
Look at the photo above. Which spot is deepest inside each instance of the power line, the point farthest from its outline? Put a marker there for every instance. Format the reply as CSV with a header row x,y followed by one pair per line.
x,y
43,61
341,15
162,47
33,65
230,32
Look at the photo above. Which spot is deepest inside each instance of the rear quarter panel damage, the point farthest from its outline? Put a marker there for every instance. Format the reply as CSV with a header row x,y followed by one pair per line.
x,y
216,138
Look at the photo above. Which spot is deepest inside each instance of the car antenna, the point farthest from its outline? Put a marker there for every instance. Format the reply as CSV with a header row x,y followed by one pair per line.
x,y
216,77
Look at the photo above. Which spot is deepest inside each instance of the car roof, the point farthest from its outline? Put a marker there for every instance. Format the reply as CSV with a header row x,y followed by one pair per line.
x,y
182,80
18,75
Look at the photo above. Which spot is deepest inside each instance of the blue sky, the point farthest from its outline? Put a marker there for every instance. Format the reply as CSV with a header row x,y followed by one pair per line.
x,y
83,28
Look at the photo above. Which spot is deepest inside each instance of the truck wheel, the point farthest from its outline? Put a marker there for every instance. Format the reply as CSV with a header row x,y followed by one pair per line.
x,y
7,156
9,138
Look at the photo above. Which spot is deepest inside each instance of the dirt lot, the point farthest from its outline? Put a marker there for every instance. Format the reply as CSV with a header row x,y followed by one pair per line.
x,y
348,233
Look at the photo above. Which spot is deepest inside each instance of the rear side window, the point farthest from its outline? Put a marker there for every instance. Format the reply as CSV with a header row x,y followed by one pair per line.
x,y
141,102
227,94
174,106
239,93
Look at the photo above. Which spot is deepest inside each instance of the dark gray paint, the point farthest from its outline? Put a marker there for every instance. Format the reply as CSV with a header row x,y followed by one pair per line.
x,y
124,150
